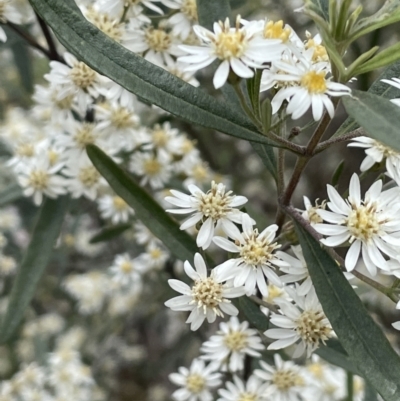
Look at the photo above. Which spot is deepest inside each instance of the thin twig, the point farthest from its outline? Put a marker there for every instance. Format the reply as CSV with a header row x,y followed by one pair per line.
x,y
53,53
344,138
29,39
259,301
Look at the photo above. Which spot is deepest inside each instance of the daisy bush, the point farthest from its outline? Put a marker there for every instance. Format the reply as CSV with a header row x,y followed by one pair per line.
x,y
199,200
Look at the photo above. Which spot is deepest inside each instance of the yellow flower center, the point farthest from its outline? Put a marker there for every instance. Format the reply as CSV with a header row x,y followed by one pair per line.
x,y
159,137
89,176
275,30
84,135
314,82
235,340
64,103
110,26
207,293
195,383
387,152
189,8
215,203
320,53
119,203
317,370
230,44
152,166
39,179
313,327
53,156
69,240
199,172
313,216
363,222
25,150
126,267
247,397
187,146
156,253
257,251
82,75
284,380
158,39
122,118
273,293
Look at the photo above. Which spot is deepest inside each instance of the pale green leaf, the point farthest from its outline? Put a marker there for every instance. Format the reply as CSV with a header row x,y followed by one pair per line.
x,y
378,116
377,88
367,347
10,194
149,82
388,14
109,233
152,215
34,262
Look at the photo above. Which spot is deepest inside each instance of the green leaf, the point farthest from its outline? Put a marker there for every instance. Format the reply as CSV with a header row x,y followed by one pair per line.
x,y
34,262
377,88
336,356
382,59
253,313
267,156
152,215
337,174
388,14
369,393
367,347
321,7
212,11
110,233
11,194
23,62
378,116
134,73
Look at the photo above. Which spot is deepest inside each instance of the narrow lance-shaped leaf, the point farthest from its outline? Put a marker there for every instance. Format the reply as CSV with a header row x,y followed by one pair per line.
x,y
377,88
152,215
134,73
108,233
359,335
378,116
10,194
36,258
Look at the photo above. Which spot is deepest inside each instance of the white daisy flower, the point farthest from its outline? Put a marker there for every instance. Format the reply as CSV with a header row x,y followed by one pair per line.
x,y
126,271
74,79
183,20
396,83
207,298
239,48
304,321
115,208
83,178
375,153
155,256
16,12
310,214
38,177
155,170
296,270
196,382
370,225
234,340
216,207
285,379
155,44
256,257
309,88
252,390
